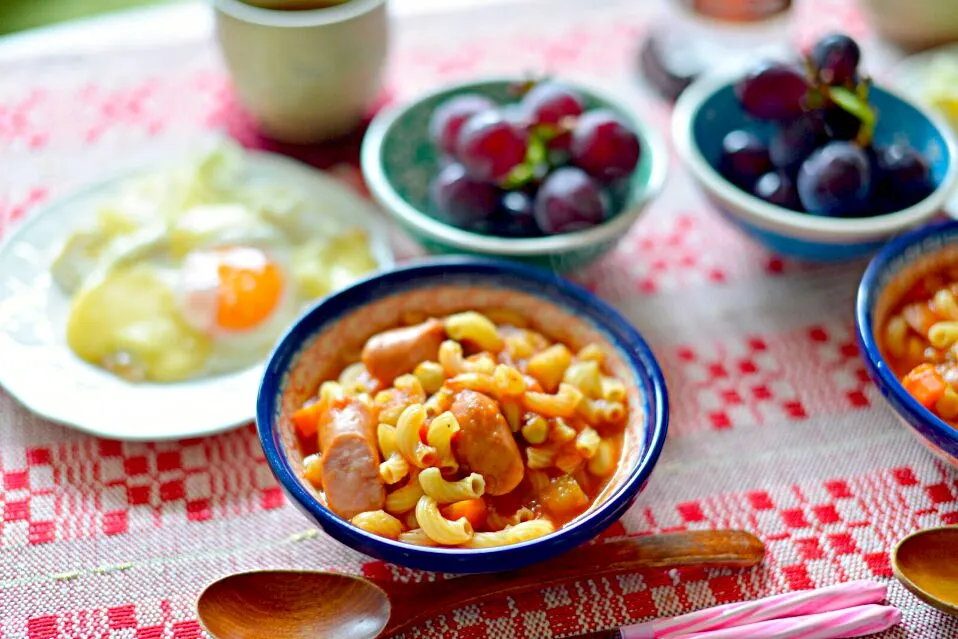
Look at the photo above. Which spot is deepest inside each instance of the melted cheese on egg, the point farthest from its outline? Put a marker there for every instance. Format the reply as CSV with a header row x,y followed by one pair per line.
x,y
129,324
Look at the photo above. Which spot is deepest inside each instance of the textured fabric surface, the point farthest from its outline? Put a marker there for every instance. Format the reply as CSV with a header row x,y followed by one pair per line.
x,y
776,428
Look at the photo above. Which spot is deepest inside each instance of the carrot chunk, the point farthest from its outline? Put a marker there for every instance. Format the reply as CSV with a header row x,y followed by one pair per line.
x,y
306,419
472,509
925,384
564,497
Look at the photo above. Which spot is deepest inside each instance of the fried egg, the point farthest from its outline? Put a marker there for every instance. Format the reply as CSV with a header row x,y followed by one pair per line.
x,y
181,294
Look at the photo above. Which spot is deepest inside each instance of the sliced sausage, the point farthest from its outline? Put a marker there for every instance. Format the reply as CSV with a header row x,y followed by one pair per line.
x,y
485,444
347,441
393,353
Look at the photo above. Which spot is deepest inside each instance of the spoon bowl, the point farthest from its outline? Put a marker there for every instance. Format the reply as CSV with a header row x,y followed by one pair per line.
x,y
282,603
926,563
302,604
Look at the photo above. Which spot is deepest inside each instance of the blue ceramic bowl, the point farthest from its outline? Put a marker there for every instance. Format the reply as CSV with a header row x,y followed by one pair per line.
x,y
708,110
331,335
896,268
399,161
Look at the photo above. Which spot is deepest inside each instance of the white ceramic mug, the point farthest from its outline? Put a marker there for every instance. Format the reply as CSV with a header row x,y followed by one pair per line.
x,y
307,75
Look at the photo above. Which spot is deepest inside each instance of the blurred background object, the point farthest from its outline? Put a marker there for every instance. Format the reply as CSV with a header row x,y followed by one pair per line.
x,y
324,67
17,15
915,24
695,36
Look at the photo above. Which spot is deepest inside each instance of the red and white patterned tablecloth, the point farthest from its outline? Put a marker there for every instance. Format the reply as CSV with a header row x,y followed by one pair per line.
x,y
776,428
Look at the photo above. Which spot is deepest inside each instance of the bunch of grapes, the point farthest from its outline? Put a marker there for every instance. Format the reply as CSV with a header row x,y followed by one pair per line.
x,y
821,159
540,166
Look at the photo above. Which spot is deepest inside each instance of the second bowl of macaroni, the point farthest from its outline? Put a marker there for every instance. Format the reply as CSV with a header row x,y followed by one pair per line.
x,y
907,325
462,415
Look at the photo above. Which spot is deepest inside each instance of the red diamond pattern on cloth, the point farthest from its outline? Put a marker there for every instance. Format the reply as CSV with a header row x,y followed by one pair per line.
x,y
775,426
132,486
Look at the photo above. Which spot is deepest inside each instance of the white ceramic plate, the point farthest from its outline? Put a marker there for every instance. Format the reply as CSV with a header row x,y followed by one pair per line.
x,y
909,77
38,368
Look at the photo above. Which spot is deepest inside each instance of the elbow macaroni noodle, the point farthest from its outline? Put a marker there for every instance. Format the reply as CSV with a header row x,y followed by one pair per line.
x,y
613,390
416,537
378,522
430,376
587,442
476,328
394,468
438,528
536,430
513,414
313,470
447,492
538,457
439,435
512,535
412,419
603,462
561,432
404,499
586,377
562,404
386,438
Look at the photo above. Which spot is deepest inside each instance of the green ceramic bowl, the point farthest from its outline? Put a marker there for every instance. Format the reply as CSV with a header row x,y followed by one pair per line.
x,y
398,162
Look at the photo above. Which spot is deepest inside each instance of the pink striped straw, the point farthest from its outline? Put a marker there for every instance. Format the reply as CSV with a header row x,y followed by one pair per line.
x,y
791,604
853,622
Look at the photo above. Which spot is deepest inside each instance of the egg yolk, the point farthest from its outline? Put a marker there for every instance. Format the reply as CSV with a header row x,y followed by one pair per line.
x,y
249,288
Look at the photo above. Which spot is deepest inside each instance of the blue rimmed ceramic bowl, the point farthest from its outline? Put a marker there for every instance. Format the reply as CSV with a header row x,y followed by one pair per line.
x,y
331,335
708,110
891,274
399,162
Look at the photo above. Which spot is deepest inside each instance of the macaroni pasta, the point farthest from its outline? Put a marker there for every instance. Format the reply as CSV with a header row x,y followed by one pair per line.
x,y
512,535
447,492
475,430
379,523
438,528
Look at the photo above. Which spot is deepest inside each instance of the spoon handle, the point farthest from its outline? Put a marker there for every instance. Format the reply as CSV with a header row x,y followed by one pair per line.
x,y
414,603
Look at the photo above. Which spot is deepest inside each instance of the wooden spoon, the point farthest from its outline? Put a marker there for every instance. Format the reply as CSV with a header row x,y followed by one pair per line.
x,y
300,604
926,563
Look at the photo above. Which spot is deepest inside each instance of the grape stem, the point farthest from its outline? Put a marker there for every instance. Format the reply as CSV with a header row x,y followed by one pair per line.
x,y
519,89
857,104
854,102
537,155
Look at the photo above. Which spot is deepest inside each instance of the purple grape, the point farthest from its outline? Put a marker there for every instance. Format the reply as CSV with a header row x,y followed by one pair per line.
x,y
461,201
604,147
551,102
490,146
836,58
772,91
744,159
518,203
448,118
835,180
569,200
514,217
840,124
904,177
796,140
777,188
